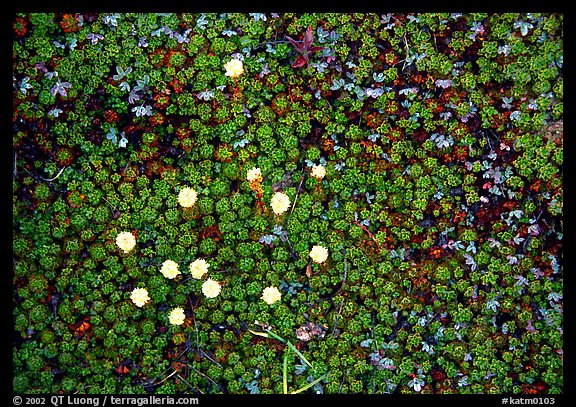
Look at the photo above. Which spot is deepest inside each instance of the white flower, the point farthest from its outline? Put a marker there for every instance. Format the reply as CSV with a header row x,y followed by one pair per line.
x,y
280,203
318,171
177,316
198,268
126,241
270,295
187,197
211,288
234,68
254,175
319,254
170,269
139,297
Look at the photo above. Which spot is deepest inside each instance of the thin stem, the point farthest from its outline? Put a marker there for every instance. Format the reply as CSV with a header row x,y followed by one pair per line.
x,y
50,179
309,385
285,373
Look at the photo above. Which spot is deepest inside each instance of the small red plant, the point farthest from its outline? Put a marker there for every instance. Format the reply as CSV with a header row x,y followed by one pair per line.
x,y
304,49
70,23
20,27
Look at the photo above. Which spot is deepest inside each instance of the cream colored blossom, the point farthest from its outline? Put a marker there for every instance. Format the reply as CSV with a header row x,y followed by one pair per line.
x,y
139,297
211,288
170,269
187,197
270,295
126,241
319,254
234,68
280,203
318,171
198,268
254,175
177,316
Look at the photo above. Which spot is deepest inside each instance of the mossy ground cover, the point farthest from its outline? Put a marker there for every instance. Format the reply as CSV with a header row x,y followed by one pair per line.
x,y
441,204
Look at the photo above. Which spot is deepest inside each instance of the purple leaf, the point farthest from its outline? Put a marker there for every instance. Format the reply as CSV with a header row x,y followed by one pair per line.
x,y
300,61
308,37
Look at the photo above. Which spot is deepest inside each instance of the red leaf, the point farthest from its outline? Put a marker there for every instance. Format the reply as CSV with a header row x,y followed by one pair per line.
x,y
299,48
308,37
308,270
299,62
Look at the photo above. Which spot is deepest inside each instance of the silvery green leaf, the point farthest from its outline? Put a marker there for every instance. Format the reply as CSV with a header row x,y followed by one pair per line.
x,y
73,43
374,92
112,137
123,141
378,77
201,22
349,86
300,368
54,112
515,115
369,198
258,16
443,83
337,84
366,343
120,74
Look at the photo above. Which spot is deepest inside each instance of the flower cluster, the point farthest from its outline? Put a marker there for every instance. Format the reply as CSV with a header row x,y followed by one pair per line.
x,y
198,268
126,241
234,68
140,297
280,203
319,254
177,316
270,295
169,269
211,288
254,175
318,172
187,197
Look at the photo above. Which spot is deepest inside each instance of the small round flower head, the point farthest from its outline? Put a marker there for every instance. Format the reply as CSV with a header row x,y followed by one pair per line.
x,y
319,254
234,68
139,297
177,316
187,197
270,295
211,288
126,241
280,203
170,269
318,172
198,268
254,175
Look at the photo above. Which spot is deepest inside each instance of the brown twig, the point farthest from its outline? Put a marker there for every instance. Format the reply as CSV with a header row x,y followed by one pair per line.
x,y
338,316
365,229
297,194
189,385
